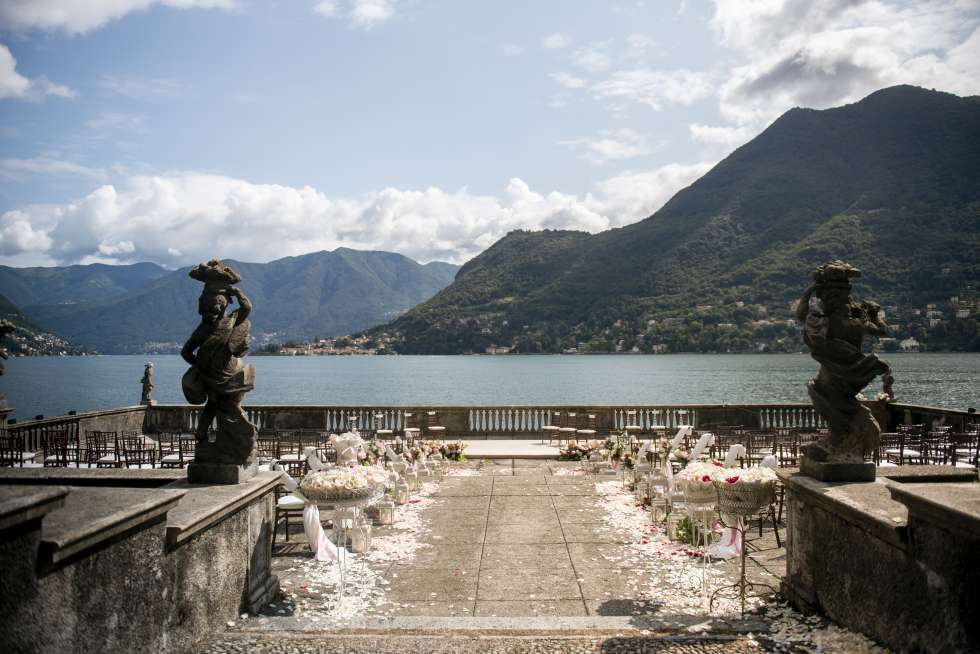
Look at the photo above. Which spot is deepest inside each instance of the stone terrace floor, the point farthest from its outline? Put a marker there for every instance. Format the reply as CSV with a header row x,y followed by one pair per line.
x,y
519,555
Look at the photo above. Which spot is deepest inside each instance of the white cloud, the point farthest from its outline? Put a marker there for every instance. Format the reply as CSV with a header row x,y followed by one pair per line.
x,y
593,58
20,169
511,49
610,145
184,218
79,16
15,85
640,194
556,41
568,80
822,54
655,87
115,121
723,135
327,8
138,87
363,14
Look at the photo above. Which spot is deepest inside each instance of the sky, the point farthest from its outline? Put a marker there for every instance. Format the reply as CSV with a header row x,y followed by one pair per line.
x,y
176,131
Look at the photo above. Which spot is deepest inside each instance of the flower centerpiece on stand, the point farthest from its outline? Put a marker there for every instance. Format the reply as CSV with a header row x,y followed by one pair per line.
x,y
575,450
744,491
374,452
696,480
453,451
342,483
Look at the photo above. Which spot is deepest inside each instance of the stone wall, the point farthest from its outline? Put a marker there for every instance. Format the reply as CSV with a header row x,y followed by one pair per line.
x,y
854,554
176,564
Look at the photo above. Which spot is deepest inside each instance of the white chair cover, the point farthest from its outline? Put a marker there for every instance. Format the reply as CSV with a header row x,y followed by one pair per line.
x,y
734,453
706,441
682,431
323,549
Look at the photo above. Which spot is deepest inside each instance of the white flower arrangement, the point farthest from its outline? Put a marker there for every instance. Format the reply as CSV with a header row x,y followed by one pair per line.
x,y
700,472
340,483
753,475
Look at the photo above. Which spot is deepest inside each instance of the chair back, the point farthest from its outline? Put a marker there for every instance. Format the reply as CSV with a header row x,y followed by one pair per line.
x,y
188,446
268,446
55,443
11,450
136,452
169,442
100,443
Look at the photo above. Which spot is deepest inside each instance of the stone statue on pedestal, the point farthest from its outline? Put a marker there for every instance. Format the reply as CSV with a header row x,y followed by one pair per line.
x,y
834,326
6,329
147,383
219,379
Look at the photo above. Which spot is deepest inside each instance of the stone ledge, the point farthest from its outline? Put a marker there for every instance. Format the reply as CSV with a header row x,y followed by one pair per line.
x,y
102,477
205,504
952,507
867,505
92,516
20,504
927,474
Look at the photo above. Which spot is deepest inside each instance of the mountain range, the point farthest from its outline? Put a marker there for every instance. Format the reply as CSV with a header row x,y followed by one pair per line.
x,y
146,308
890,184
28,338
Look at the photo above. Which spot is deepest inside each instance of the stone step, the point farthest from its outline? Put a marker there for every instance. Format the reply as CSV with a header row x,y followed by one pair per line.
x,y
332,643
685,625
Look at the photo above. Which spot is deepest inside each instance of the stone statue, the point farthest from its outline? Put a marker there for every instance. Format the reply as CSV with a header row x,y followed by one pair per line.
x,y
219,379
6,329
147,383
834,326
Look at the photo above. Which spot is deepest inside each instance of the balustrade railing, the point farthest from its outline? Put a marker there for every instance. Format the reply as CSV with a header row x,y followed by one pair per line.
x,y
32,432
501,421
476,422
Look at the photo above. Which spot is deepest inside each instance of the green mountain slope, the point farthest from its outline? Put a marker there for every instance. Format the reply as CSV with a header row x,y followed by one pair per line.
x,y
30,339
891,183
317,294
74,284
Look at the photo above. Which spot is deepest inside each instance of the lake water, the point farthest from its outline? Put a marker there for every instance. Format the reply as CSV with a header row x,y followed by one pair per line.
x,y
53,385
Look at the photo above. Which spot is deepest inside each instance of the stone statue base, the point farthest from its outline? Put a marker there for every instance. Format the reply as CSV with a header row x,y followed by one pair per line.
x,y
220,473
831,471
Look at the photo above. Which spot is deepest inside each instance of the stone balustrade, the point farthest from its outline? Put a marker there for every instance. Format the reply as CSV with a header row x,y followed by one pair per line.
x,y
483,422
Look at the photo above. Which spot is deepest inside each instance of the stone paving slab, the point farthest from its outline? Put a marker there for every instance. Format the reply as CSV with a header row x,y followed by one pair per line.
x,y
524,533
409,608
461,503
507,585
590,532
504,490
517,608
599,555
429,584
449,555
497,555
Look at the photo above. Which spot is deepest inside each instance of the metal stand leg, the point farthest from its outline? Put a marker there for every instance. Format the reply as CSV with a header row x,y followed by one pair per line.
x,y
742,585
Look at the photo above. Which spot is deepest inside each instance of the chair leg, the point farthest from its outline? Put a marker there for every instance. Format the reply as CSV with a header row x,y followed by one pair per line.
x,y
775,525
275,528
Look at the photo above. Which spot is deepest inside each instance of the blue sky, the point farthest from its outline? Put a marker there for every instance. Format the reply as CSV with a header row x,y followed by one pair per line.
x,y
175,131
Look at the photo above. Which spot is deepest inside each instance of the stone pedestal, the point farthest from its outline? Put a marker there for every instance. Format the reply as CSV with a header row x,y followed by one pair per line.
x,y
220,473
830,471
894,561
